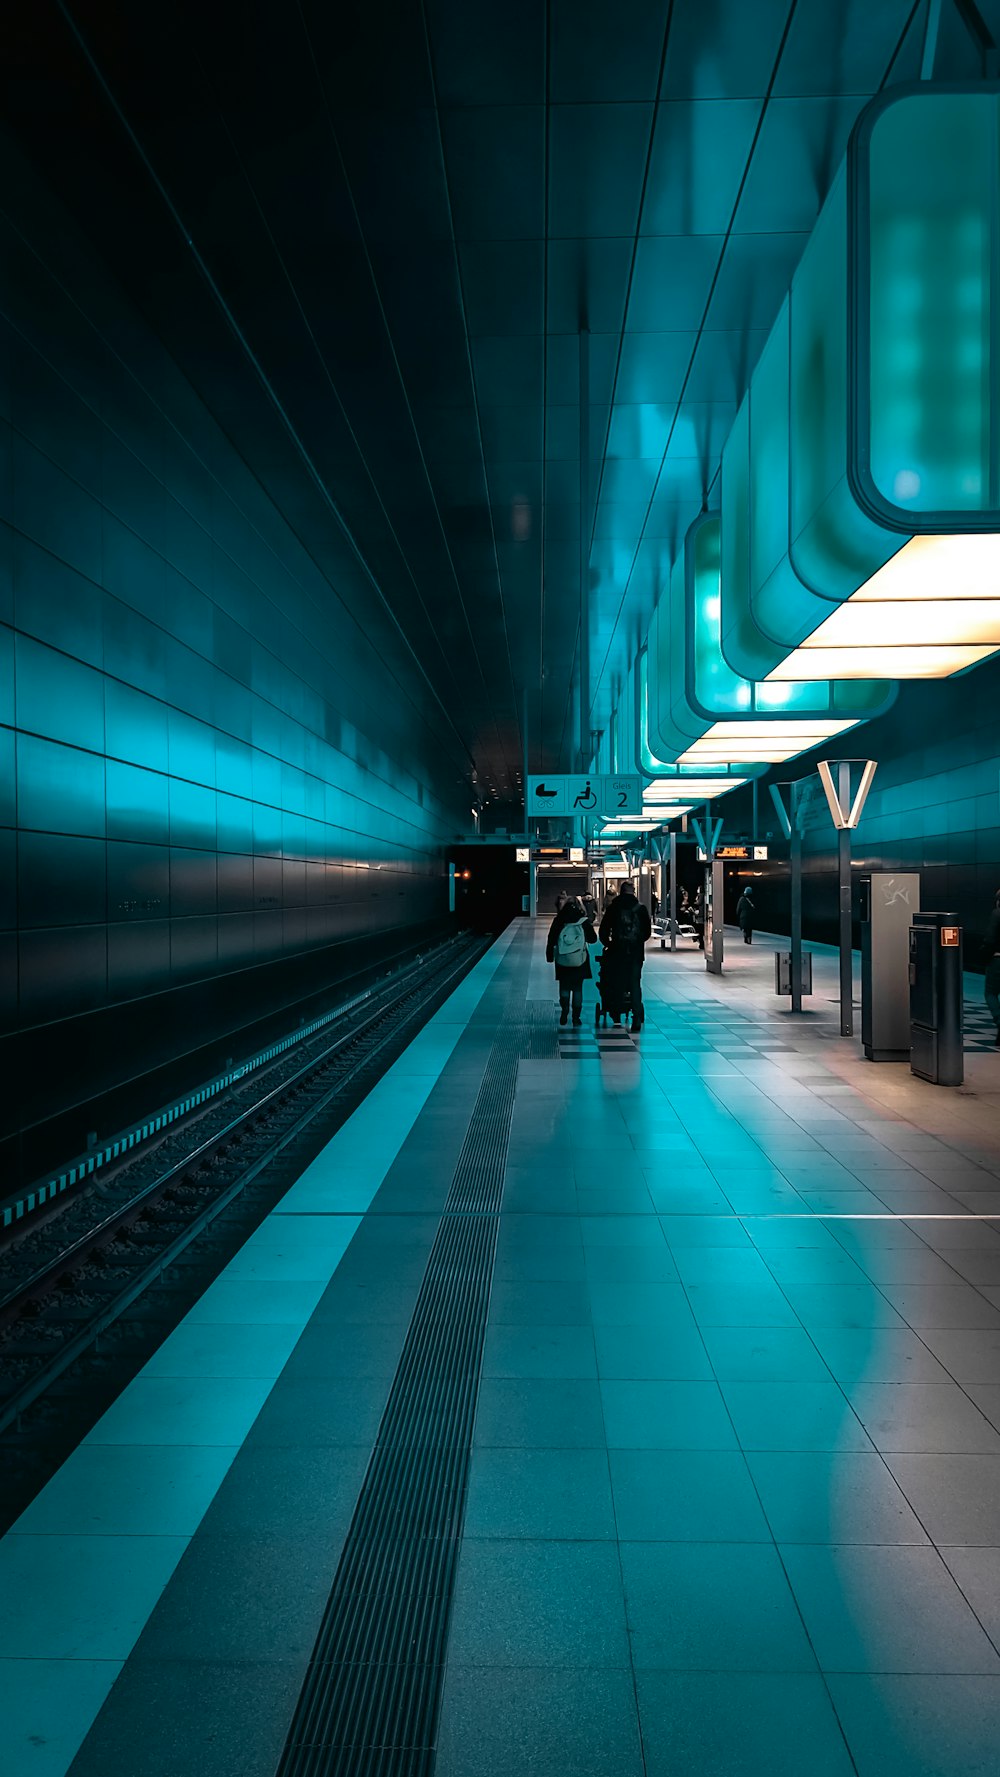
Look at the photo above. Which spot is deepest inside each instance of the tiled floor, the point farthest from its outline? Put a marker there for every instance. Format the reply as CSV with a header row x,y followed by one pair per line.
x,y
734,1498
735,1494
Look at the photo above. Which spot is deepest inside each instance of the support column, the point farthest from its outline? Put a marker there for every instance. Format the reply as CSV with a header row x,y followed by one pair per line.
x,y
673,891
795,852
584,549
846,953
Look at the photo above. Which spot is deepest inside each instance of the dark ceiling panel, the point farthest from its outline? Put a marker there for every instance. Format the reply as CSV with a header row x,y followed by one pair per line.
x,y
802,142
843,48
597,159
410,228
653,366
673,276
502,282
753,279
725,49
508,370
488,55
496,172
699,156
393,162
587,284
601,54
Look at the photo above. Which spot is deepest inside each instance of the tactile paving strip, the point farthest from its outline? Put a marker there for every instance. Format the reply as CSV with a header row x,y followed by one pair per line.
x,y
369,1703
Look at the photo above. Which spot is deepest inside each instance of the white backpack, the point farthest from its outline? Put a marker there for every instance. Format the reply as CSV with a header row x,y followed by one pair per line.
x,y
571,946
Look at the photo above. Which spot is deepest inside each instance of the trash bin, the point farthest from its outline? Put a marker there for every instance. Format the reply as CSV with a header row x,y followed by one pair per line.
x,y
936,999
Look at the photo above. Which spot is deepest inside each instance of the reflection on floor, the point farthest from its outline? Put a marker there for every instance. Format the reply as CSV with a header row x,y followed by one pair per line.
x,y
734,1495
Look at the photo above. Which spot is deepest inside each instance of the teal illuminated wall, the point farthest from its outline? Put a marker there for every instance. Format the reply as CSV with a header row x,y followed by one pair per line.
x,y
212,789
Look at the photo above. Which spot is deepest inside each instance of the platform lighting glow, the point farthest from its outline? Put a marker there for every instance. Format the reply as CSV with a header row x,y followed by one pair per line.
x,y
766,743
697,789
931,610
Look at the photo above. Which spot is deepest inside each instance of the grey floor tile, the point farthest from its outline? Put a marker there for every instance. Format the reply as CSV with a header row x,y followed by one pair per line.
x,y
685,1496
539,1304
968,1356
716,1607
665,1353
740,1305
637,1303
764,1354
540,1494
822,1497
539,1414
924,1417
704,1230
977,1572
539,1352
841,1305
654,1415
987,1398
720,1724
253,1598
957,1498
793,1416
877,1354
291,1491
327,1350
934,1305
902,1726
629,1265
549,1723
521,1604
887,1609
341,1412
240,1711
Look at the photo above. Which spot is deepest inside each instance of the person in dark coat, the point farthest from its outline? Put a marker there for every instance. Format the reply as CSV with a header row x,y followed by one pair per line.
x,y
624,930
569,936
992,982
698,917
746,914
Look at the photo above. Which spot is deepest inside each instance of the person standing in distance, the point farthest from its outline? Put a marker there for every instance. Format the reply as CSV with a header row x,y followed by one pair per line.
x,y
746,913
625,928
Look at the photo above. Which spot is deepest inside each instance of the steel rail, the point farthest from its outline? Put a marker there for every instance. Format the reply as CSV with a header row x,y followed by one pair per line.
x,y
68,1352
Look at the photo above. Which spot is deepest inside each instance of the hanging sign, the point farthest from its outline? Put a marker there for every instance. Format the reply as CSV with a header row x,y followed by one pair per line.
x,y
590,795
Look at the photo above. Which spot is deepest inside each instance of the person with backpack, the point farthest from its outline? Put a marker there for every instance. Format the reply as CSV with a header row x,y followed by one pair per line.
x,y
569,935
746,913
625,928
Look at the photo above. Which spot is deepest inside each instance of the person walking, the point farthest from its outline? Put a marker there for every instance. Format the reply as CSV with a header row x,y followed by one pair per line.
x,y
569,936
698,917
991,985
746,913
625,928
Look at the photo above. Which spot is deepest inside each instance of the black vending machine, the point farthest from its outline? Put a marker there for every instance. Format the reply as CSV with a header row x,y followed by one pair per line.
x,y
936,998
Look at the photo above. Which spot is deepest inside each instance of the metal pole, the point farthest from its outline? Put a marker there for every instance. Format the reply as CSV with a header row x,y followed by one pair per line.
x,y
532,872
846,954
584,549
755,812
795,848
673,891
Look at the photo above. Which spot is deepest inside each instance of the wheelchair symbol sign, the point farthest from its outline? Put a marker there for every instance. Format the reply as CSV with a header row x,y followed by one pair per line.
x,y
586,799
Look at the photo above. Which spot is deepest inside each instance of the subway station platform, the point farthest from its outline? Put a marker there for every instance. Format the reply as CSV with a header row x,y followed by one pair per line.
x,y
591,1405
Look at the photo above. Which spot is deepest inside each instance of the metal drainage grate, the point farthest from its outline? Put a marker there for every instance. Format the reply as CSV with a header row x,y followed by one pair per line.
x,y
370,1699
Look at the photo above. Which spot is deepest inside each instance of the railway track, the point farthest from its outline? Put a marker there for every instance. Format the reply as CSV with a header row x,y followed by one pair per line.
x,y
89,1287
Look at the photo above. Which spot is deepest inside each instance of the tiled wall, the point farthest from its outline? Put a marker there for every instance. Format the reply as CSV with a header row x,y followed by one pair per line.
x,y
211,788
934,805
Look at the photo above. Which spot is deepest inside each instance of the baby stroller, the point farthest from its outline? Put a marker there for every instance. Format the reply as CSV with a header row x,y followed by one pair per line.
x,y
614,999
